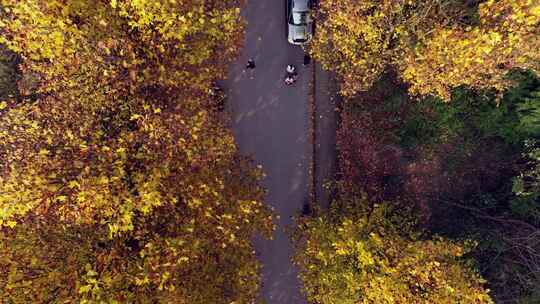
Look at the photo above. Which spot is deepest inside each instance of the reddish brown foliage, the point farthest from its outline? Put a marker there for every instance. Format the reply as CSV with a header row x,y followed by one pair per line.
x,y
372,161
369,158
367,161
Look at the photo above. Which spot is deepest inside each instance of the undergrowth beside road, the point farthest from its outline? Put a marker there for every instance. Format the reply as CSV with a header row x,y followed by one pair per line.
x,y
8,74
456,164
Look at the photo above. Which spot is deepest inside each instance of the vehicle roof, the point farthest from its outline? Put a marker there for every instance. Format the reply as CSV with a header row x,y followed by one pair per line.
x,y
298,31
300,5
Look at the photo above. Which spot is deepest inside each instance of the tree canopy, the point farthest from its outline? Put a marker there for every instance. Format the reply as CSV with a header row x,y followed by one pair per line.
x,y
435,45
373,256
117,183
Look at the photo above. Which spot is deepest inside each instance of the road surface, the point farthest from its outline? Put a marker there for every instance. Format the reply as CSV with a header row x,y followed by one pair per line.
x,y
271,124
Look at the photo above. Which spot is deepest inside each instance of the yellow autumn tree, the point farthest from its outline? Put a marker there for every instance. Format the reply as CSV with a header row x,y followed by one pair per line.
x,y
369,256
117,184
507,37
162,211
436,45
119,46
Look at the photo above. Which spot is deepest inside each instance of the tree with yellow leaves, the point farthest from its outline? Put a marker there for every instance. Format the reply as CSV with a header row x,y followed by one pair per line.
x,y
436,45
117,184
372,256
120,46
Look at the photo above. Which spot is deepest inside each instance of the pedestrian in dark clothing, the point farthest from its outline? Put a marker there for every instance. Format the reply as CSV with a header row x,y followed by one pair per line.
x,y
307,59
250,64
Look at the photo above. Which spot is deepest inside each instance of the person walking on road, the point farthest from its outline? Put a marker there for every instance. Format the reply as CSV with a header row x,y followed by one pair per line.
x,y
289,80
291,76
291,69
307,59
250,64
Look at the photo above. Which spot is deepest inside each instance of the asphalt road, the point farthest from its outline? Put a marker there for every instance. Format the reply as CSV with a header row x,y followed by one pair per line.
x,y
270,122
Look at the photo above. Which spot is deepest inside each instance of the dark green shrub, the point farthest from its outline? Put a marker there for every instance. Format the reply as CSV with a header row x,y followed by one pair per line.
x,y
8,74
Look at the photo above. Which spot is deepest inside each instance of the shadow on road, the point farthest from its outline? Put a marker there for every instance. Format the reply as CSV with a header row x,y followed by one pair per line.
x,y
270,122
